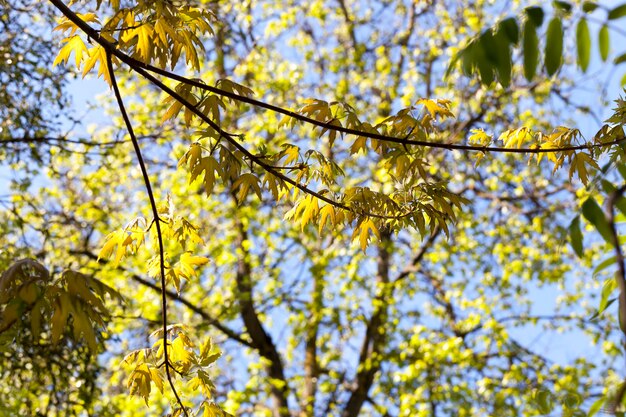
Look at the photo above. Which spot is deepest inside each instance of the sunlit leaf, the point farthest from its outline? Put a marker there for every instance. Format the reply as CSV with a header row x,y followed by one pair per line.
x,y
244,183
603,41
531,49
73,44
607,289
583,44
604,264
554,45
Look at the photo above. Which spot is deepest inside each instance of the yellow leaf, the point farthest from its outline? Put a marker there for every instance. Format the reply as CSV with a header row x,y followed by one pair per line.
x,y
205,348
88,17
292,153
233,87
579,165
243,183
98,55
516,138
186,340
479,137
72,44
436,108
163,30
173,110
144,47
139,382
360,144
326,212
180,355
211,105
82,325
311,210
35,320
212,410
121,242
192,156
363,230
189,259
58,320
273,184
29,293
156,378
66,24
9,315
210,166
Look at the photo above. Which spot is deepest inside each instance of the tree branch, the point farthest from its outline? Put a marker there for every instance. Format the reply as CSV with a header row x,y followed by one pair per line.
x,y
311,364
371,353
137,65
414,265
261,341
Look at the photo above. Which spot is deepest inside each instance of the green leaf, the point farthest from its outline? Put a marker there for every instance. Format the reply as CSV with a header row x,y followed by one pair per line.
x,y
511,29
583,44
468,59
621,168
620,59
604,265
571,401
503,58
554,45
563,6
489,45
535,15
589,6
453,62
617,12
504,68
609,188
483,62
596,406
544,400
486,72
531,50
623,81
607,289
594,215
603,40
598,313
576,237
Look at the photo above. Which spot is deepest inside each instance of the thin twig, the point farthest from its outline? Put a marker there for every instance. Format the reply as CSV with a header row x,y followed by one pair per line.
x,y
155,213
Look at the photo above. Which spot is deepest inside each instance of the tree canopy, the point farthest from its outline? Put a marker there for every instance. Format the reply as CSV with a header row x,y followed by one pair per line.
x,y
310,208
